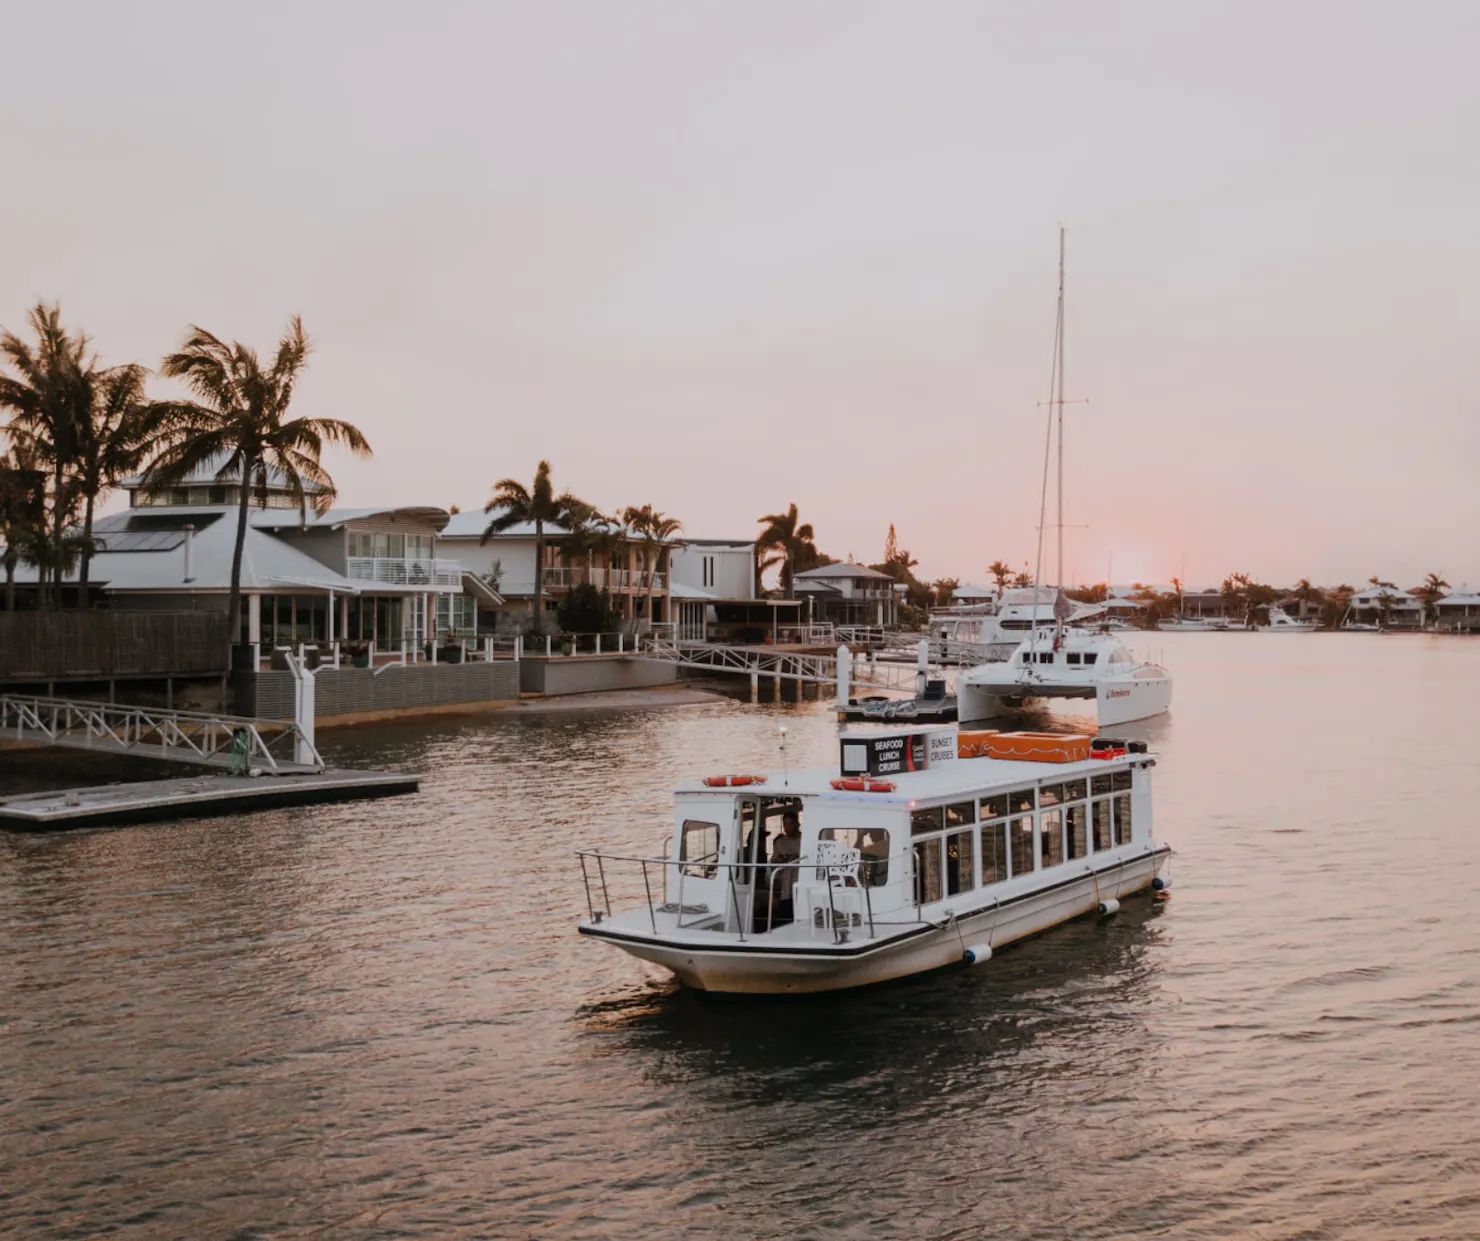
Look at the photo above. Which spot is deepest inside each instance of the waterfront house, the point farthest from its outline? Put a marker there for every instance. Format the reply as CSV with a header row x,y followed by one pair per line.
x,y
713,585
507,563
1458,611
348,574
849,594
1386,605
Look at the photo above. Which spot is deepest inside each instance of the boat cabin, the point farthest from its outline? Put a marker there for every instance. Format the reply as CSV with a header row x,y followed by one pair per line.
x,y
908,838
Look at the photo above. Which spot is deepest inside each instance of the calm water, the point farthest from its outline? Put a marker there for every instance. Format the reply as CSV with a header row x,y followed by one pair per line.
x,y
377,1020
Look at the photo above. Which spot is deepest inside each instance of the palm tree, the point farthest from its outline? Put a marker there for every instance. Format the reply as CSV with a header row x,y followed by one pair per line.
x,y
655,529
1001,573
516,504
22,513
240,427
47,403
120,428
1308,596
1430,593
792,541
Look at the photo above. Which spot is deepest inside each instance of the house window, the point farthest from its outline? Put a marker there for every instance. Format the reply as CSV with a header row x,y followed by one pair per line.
x,y
698,849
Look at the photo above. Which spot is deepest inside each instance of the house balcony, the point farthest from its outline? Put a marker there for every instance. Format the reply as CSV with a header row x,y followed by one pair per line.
x,y
563,578
412,574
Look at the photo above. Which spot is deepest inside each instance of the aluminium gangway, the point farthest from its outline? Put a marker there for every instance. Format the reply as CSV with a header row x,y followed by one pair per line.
x,y
278,747
803,667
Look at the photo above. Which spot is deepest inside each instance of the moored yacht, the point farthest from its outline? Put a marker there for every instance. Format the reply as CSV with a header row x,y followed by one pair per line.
x,y
1280,621
1074,663
919,849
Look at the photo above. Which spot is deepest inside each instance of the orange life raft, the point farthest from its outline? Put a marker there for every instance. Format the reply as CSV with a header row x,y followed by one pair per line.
x,y
1039,747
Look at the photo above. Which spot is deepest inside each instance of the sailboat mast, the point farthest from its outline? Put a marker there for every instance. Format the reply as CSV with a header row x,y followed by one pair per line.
x,y
1059,384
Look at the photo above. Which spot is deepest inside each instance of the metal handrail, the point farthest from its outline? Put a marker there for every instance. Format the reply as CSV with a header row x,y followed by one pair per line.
x,y
731,869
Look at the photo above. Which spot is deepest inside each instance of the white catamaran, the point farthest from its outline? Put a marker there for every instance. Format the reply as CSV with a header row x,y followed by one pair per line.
x,y
922,848
1071,660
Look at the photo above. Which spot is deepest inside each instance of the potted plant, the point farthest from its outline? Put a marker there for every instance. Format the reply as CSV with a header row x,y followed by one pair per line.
x,y
358,653
567,644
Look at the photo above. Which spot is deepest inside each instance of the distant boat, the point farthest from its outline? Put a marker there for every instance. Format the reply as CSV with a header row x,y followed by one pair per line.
x,y
1193,624
1281,621
1060,657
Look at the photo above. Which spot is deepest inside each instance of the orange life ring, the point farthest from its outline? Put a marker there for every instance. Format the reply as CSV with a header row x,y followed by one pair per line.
x,y
855,784
732,782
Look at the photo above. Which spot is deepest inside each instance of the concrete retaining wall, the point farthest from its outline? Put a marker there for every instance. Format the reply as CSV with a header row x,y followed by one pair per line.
x,y
351,691
588,674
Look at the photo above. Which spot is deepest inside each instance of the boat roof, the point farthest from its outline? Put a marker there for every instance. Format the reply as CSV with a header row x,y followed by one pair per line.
x,y
954,778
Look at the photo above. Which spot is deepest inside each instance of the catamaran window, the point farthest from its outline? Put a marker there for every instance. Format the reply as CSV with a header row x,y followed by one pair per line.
x,y
698,848
1050,794
960,862
929,820
1123,819
994,853
1071,657
1020,831
994,807
1099,785
1023,801
1092,657
962,813
1051,837
927,871
1077,838
1120,780
872,842
1102,825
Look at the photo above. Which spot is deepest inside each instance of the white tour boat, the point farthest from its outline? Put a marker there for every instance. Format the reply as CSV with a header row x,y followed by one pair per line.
x,y
921,849
1075,663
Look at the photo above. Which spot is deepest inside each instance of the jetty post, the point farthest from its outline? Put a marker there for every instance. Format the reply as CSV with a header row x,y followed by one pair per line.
x,y
922,666
845,674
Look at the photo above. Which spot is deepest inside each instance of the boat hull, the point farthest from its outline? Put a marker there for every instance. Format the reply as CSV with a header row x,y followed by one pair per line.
x,y
1138,698
751,969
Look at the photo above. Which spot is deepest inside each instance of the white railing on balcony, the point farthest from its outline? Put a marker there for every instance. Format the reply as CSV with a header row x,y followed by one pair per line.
x,y
389,571
607,579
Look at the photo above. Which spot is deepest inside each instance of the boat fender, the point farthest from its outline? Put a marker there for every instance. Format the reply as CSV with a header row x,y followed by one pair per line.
x,y
977,954
1109,906
1161,883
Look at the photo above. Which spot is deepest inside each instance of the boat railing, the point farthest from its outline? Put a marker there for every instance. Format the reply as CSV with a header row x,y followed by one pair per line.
x,y
741,883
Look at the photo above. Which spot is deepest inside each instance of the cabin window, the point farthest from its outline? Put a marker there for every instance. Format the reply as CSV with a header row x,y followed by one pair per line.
x,y
994,853
1051,838
1071,657
994,807
1075,790
1120,780
1099,785
698,848
872,843
1050,794
927,871
1092,657
1023,801
1123,819
960,862
1076,839
928,820
1102,824
960,814
1020,832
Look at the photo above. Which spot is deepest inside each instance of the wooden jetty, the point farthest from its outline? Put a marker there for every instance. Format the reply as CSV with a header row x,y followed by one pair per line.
x,y
192,797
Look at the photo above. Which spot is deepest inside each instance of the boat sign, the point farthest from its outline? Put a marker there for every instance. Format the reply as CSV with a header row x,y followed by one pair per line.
x,y
887,754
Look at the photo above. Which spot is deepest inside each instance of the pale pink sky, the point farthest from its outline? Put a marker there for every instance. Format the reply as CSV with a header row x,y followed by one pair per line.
x,y
720,257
